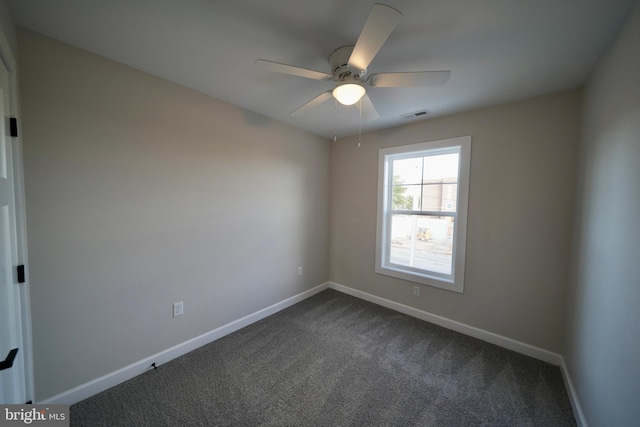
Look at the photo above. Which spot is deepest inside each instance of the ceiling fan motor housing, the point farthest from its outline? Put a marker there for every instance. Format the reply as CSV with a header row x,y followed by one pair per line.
x,y
340,68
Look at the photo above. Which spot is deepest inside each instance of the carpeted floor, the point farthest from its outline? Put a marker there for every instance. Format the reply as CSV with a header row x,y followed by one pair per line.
x,y
335,360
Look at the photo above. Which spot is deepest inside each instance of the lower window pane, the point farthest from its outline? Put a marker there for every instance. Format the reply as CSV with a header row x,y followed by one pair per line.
x,y
423,242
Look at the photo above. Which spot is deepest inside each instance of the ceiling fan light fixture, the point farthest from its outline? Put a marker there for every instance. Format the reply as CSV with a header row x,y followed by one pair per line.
x,y
348,93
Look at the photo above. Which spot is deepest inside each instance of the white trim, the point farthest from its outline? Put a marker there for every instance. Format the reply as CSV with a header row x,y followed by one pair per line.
x,y
107,381
490,337
451,282
9,61
581,421
98,385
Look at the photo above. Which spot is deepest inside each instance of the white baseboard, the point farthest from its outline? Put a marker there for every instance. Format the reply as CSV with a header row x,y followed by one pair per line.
x,y
511,344
107,381
508,343
573,397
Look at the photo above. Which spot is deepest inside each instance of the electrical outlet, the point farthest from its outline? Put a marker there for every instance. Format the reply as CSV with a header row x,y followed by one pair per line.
x,y
416,291
300,271
178,309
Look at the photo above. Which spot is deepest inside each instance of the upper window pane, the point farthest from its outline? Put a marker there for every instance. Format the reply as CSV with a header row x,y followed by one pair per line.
x,y
406,197
426,183
442,167
439,196
407,171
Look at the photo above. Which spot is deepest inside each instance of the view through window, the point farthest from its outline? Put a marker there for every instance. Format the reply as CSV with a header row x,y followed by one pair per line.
x,y
424,200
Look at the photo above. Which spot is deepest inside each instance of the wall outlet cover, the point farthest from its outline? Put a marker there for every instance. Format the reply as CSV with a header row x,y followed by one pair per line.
x,y
178,309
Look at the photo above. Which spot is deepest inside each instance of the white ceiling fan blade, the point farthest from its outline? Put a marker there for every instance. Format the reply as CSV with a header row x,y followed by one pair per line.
x,y
369,112
381,22
416,79
313,103
292,70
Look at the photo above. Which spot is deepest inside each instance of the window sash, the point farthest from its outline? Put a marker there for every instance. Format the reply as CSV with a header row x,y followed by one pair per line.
x,y
423,213
386,212
413,252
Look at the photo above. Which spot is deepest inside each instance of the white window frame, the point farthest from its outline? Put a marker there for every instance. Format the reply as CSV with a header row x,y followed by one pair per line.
x,y
455,281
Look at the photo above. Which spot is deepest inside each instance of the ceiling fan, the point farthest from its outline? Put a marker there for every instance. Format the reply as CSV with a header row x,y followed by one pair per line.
x,y
349,67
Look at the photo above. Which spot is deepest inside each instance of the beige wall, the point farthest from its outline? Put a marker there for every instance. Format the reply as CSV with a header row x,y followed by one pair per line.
x,y
141,193
523,168
603,324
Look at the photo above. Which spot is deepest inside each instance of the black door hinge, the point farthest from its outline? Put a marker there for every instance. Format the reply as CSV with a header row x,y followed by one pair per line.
x,y
8,362
13,126
21,278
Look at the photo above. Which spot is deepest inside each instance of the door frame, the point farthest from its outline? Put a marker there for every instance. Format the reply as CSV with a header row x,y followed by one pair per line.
x,y
7,57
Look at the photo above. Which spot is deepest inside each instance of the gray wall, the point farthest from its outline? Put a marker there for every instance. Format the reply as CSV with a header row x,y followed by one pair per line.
x,y
603,339
141,193
8,27
523,169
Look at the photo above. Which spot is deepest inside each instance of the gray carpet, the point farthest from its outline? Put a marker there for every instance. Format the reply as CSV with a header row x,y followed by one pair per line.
x,y
335,360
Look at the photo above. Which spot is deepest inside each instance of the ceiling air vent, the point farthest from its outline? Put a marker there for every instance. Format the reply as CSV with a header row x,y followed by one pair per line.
x,y
415,115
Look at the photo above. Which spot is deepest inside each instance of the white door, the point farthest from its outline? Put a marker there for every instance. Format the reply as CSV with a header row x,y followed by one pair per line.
x,y
12,379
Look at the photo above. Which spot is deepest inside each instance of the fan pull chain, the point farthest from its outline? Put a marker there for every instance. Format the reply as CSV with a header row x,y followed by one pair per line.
x,y
360,124
335,119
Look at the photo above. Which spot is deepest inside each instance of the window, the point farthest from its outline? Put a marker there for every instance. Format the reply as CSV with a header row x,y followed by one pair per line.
x,y
422,212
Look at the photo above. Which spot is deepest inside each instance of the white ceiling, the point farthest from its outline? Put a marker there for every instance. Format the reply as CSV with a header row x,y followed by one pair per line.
x,y
497,50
